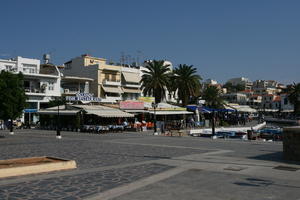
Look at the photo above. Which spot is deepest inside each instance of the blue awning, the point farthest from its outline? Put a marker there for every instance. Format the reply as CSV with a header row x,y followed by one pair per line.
x,y
205,109
30,110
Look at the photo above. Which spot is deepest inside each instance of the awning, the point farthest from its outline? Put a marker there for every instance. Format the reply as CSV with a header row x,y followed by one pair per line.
x,y
61,112
131,77
109,113
177,112
127,90
241,108
137,111
103,111
30,110
112,89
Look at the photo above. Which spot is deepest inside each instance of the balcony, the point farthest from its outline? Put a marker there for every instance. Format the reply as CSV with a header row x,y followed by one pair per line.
x,y
71,91
35,91
111,99
132,85
113,83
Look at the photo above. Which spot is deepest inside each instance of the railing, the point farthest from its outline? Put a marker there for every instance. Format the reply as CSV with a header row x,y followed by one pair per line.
x,y
132,85
34,90
115,83
111,99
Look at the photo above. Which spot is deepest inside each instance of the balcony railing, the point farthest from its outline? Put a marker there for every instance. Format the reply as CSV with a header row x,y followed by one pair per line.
x,y
111,99
34,90
114,83
132,85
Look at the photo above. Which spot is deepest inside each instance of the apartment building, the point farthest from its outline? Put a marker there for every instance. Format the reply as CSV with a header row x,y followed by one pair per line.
x,y
41,83
241,81
71,85
271,102
264,87
255,101
235,98
286,105
130,80
112,83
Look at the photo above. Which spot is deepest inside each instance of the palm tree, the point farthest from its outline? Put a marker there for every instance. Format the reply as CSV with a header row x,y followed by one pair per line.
x,y
187,82
294,96
155,79
212,97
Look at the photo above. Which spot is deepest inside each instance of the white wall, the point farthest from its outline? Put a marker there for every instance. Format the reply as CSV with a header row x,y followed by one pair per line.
x,y
4,63
287,106
21,61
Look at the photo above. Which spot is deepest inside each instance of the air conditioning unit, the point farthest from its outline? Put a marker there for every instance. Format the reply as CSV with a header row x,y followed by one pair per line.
x,y
66,90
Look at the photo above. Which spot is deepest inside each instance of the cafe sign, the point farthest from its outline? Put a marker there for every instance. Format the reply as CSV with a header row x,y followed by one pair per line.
x,y
83,97
127,105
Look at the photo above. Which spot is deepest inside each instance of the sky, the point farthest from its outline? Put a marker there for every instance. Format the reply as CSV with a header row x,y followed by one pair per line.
x,y
223,39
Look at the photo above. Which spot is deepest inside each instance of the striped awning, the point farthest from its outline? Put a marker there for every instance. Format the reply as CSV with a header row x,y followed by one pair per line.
x,y
177,112
54,112
131,77
130,90
103,111
112,89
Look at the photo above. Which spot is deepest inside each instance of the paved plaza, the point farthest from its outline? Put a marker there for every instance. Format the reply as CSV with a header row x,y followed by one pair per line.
x,y
128,166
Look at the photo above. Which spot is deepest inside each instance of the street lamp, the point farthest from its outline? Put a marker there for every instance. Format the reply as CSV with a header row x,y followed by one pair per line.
x,y
154,105
58,136
213,123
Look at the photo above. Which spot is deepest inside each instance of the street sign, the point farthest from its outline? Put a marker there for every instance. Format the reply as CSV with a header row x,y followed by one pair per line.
x,y
28,110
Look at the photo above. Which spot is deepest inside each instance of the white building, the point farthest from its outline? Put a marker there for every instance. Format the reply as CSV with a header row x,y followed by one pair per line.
x,y
170,97
241,81
41,82
130,81
286,105
111,83
210,82
239,98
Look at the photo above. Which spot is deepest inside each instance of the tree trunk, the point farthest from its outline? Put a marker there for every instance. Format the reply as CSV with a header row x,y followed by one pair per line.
x,y
11,126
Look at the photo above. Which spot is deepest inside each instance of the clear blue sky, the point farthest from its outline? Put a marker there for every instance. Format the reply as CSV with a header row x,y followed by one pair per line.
x,y
259,39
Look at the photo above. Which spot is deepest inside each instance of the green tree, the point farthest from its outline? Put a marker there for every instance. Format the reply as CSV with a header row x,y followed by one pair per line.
x,y
57,101
229,87
155,79
294,96
187,82
12,96
212,97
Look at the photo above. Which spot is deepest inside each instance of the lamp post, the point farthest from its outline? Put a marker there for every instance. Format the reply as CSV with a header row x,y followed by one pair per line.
x,y
154,105
213,123
58,136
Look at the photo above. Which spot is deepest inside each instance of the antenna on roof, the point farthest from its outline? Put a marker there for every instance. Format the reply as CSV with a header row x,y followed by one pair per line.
x,y
122,59
139,53
46,58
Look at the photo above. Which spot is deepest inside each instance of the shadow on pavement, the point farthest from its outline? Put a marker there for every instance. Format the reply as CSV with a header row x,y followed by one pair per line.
x,y
275,156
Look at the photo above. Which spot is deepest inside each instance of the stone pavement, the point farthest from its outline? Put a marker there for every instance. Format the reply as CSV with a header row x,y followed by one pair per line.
x,y
142,166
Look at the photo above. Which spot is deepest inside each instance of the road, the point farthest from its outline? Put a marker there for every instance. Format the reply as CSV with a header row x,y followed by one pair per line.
x,y
131,166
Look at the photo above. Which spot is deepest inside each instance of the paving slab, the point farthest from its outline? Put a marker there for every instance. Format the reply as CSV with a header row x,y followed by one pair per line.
x,y
133,165
200,184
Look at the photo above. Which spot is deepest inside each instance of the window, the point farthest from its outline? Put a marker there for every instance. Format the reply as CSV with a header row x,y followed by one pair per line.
x,y
28,68
51,86
114,77
10,68
107,77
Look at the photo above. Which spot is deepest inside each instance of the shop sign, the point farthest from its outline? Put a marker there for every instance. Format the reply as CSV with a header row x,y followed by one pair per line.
x,y
169,109
127,105
147,99
83,97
